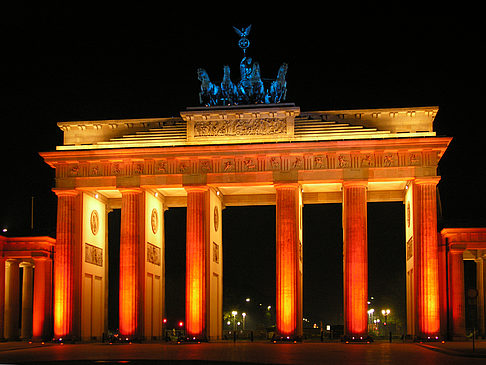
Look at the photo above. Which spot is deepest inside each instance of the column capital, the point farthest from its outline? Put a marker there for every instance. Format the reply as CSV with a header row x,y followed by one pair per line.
x,y
349,183
195,188
26,264
457,248
41,258
286,185
427,180
130,190
65,192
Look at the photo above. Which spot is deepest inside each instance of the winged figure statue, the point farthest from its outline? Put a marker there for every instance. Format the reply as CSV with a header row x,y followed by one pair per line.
x,y
244,32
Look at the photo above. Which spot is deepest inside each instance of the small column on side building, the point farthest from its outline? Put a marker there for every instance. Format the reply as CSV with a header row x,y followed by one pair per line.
x,y
27,297
2,295
64,263
42,310
355,253
12,300
426,257
131,280
457,307
480,286
289,260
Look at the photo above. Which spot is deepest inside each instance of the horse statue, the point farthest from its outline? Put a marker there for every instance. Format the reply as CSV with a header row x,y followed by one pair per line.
x,y
209,91
278,88
228,91
257,90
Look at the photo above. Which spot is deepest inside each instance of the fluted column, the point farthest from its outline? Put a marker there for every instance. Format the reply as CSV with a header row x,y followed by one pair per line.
x,y
42,310
130,252
197,235
2,294
64,264
289,261
27,296
426,256
12,300
355,264
480,286
457,307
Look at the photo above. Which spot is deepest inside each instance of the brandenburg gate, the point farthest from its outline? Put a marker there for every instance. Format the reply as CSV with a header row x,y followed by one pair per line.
x,y
211,157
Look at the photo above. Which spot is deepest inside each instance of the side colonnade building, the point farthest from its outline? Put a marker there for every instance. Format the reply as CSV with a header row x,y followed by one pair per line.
x,y
213,157
26,287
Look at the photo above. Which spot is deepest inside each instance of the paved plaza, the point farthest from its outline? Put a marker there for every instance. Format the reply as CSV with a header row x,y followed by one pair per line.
x,y
244,353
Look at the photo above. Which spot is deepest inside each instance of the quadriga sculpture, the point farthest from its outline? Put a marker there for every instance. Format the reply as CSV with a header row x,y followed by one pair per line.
x,y
249,90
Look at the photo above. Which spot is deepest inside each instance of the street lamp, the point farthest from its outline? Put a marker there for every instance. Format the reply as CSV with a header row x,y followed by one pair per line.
x,y
244,318
385,313
370,317
234,313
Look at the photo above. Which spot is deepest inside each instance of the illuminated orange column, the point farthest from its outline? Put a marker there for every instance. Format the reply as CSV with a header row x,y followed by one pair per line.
x,y
2,292
289,261
130,291
64,264
457,308
197,235
42,311
426,257
27,300
355,263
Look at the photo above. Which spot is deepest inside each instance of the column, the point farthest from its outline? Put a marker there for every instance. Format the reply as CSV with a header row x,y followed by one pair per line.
x,y
131,280
426,265
197,235
27,293
2,297
42,311
457,307
64,264
355,264
289,261
12,300
480,286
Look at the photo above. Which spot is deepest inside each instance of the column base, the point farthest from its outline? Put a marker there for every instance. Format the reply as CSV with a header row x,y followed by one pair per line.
x,y
193,339
286,338
357,339
428,339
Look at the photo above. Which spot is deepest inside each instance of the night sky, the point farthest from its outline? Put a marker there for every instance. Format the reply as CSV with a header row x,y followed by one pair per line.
x,y
94,62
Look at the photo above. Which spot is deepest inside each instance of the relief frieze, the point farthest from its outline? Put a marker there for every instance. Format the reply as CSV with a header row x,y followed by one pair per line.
x,y
242,127
93,255
235,164
153,254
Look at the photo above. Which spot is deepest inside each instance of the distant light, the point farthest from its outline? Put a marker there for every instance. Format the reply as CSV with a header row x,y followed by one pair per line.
x,y
238,323
96,195
156,194
228,323
328,327
164,320
234,313
269,307
247,299
4,230
243,314
181,324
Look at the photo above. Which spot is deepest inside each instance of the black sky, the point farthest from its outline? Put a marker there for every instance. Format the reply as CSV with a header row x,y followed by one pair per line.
x,y
88,62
